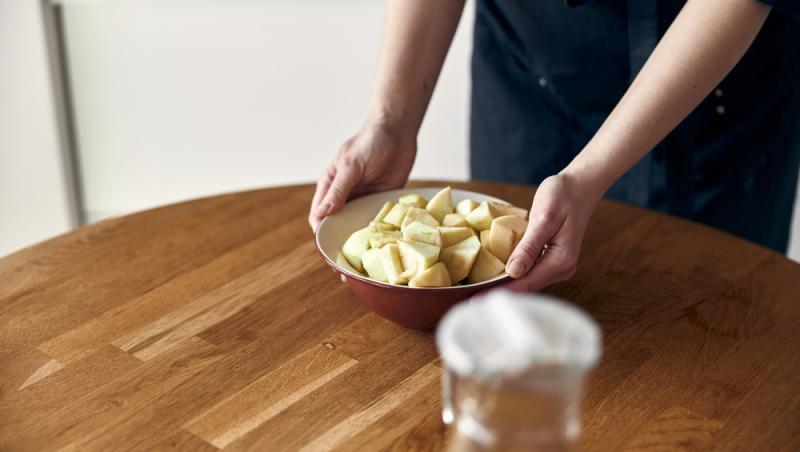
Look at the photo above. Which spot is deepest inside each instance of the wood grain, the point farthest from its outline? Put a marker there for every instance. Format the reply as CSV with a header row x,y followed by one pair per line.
x,y
213,324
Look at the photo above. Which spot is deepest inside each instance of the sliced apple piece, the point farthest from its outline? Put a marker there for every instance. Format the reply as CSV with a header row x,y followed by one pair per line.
x,y
415,214
392,265
517,224
342,262
413,199
486,267
373,265
396,215
387,206
379,239
417,257
481,218
466,206
408,274
441,204
453,235
379,226
436,276
508,209
485,238
454,220
421,232
459,258
354,247
501,241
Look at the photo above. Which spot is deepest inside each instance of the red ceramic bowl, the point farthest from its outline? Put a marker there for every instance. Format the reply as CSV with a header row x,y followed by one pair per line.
x,y
417,308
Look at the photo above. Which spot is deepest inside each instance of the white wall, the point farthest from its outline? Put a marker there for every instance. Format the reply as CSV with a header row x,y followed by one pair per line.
x,y
179,99
34,195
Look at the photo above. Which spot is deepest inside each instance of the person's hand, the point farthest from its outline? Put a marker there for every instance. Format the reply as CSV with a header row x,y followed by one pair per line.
x,y
377,158
548,252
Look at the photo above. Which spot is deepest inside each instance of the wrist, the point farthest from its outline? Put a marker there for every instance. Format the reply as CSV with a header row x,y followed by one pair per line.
x,y
590,180
394,126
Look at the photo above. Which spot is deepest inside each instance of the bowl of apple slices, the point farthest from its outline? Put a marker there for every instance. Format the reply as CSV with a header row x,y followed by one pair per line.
x,y
411,254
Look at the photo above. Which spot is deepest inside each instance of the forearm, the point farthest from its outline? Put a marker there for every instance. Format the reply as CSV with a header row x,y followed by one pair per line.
x,y
416,37
701,46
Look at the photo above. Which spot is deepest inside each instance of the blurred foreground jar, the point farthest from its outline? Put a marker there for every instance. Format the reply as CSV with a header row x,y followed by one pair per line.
x,y
514,369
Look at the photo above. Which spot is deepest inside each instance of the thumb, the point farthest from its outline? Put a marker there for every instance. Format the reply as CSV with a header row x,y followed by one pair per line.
x,y
348,173
539,232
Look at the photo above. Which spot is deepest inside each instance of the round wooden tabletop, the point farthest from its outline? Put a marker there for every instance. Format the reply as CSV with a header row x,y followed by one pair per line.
x,y
215,324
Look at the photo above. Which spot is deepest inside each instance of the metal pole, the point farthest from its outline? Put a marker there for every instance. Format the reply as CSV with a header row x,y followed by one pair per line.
x,y
52,18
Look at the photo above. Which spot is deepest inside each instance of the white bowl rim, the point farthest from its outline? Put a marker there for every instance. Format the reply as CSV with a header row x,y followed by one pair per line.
x,y
501,277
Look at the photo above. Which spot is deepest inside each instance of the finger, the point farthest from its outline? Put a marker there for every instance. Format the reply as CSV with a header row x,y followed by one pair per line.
x,y
557,264
541,229
348,173
323,184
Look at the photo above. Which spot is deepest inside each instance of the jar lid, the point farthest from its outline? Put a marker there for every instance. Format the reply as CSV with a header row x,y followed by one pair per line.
x,y
506,333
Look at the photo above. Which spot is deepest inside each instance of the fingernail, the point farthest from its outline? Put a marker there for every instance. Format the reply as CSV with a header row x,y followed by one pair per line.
x,y
516,268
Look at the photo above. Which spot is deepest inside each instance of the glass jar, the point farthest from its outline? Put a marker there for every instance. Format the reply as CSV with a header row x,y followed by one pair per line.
x,y
514,368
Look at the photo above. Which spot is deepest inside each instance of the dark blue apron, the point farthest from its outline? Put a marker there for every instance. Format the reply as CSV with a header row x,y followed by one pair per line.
x,y
545,76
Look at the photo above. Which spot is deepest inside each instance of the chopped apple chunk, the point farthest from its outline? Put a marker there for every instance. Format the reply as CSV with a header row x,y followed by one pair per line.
x,y
459,258
453,235
429,243
508,209
484,235
481,218
466,206
392,265
501,241
454,220
396,215
441,204
417,215
417,257
421,232
379,226
387,206
379,239
436,276
486,267
355,246
413,199
373,264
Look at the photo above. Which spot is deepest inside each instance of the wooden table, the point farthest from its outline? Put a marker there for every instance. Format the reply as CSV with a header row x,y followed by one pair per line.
x,y
214,324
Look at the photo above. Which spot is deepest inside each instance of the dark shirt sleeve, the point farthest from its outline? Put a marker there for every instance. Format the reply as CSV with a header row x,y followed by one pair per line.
x,y
788,6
